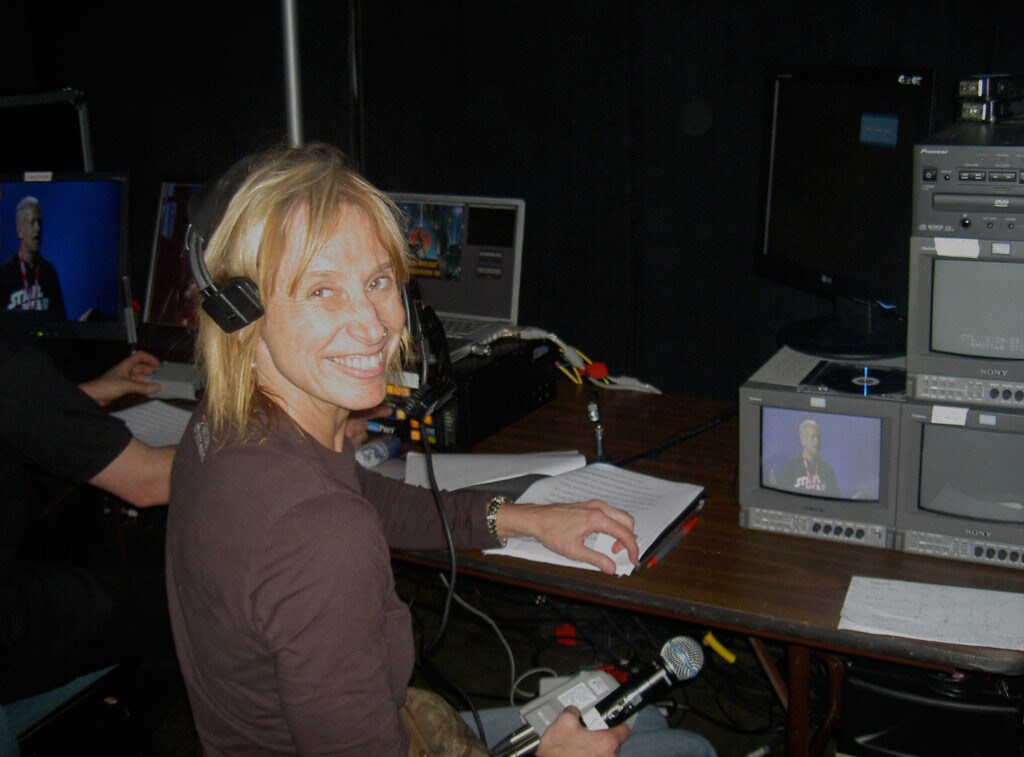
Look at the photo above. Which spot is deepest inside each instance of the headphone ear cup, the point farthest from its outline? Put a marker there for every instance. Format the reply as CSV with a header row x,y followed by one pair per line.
x,y
235,303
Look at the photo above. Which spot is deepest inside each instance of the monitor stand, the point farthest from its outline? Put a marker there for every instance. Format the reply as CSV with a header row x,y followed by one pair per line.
x,y
860,332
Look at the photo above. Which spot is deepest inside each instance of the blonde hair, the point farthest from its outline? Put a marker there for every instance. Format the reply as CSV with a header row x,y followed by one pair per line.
x,y
310,185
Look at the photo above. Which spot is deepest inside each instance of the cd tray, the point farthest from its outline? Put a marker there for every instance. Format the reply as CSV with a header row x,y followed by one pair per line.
x,y
850,378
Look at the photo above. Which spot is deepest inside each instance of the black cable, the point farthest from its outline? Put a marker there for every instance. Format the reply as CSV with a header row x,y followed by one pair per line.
x,y
678,437
450,593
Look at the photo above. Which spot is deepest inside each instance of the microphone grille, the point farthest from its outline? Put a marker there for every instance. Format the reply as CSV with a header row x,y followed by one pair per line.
x,y
683,656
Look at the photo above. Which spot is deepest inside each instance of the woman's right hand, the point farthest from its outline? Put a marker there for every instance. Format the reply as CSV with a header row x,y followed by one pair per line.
x,y
567,737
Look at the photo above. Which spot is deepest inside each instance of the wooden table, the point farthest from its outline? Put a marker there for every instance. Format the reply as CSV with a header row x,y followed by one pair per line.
x,y
764,585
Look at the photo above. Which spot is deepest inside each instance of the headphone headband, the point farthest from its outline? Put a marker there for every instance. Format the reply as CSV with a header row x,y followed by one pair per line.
x,y
234,303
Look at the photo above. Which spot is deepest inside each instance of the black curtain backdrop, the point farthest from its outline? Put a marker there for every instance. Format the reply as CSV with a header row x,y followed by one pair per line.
x,y
633,130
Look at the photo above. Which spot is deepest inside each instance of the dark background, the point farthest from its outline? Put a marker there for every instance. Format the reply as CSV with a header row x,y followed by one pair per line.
x,y
633,130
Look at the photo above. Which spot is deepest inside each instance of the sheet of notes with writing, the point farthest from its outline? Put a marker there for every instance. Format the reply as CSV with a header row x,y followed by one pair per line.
x,y
654,503
952,614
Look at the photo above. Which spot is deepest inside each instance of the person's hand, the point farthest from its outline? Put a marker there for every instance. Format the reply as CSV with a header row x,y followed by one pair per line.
x,y
563,528
355,426
567,737
127,377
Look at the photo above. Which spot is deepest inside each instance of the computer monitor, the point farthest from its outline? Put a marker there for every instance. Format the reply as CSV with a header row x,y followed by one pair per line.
x,y
835,214
961,489
171,295
68,281
817,457
967,327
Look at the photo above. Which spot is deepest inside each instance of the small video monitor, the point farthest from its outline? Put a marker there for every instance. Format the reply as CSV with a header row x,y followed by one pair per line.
x,y
63,253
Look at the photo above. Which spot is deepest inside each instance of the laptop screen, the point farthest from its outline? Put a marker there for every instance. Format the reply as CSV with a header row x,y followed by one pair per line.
x,y
466,252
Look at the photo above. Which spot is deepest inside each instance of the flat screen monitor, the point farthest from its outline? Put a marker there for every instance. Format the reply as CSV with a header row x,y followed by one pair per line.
x,y
820,465
63,247
171,295
962,483
836,199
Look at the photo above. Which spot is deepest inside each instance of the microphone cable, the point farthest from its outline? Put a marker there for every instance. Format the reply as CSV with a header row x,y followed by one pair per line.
x,y
442,627
422,403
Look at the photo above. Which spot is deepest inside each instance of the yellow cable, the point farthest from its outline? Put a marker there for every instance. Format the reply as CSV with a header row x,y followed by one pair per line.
x,y
710,641
573,378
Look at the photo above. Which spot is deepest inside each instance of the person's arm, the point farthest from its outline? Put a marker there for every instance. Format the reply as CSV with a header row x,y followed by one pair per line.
x,y
409,517
127,377
140,475
563,528
567,737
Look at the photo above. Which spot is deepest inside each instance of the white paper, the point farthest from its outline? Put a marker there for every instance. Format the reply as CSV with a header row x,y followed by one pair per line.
x,y
654,503
156,423
454,470
951,614
178,381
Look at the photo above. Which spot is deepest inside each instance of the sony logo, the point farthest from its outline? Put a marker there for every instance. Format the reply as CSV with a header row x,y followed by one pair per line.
x,y
992,371
927,151
977,532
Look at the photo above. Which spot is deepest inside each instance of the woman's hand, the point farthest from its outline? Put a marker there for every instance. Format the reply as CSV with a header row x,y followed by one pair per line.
x,y
567,737
563,528
127,377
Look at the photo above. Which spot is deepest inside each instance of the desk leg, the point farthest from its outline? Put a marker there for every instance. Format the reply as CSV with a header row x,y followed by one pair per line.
x,y
771,670
797,716
835,675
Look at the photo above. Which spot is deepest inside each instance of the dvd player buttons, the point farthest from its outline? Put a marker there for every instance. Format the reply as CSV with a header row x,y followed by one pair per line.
x,y
971,175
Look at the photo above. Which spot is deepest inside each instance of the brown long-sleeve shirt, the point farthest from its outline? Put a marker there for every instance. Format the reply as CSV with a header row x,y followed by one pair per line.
x,y
289,633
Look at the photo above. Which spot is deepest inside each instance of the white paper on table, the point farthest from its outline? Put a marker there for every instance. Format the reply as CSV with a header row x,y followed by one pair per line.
x,y
931,612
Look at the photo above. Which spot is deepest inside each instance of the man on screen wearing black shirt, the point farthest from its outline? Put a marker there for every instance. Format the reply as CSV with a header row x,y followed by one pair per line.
x,y
29,283
807,472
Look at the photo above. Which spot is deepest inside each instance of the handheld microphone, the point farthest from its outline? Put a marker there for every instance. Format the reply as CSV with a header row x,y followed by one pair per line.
x,y
681,660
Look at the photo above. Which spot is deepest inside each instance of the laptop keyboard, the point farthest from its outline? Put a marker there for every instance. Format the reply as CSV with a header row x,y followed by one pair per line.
x,y
459,327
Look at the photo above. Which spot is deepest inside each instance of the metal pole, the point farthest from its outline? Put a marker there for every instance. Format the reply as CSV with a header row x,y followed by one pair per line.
x,y
293,95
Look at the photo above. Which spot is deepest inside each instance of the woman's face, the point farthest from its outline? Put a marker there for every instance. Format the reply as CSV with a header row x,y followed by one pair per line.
x,y
324,350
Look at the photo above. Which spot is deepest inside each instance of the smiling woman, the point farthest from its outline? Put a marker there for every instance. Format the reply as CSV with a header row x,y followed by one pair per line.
x,y
327,341
289,632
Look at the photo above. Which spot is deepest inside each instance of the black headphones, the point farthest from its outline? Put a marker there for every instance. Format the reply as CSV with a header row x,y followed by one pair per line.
x,y
234,303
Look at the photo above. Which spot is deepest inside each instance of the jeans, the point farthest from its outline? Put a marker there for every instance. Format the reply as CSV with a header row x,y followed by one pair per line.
x,y
650,735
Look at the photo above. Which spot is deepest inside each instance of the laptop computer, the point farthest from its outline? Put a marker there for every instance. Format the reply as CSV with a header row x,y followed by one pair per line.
x,y
466,257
